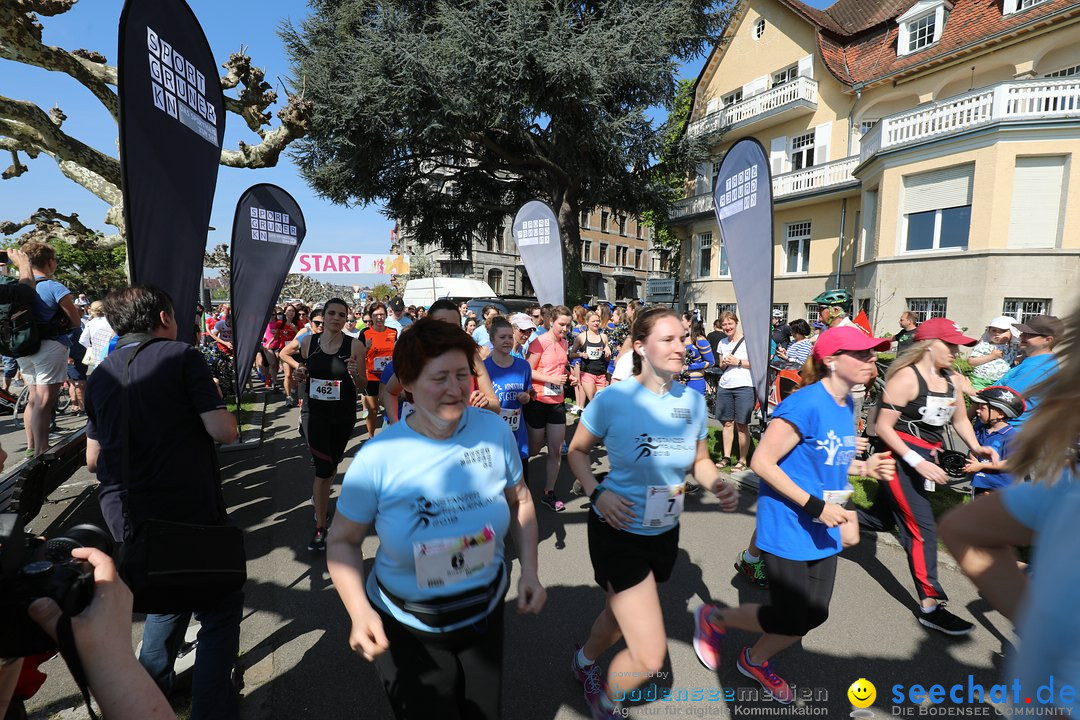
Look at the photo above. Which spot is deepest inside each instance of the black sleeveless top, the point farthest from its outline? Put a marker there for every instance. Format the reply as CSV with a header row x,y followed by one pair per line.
x,y
330,390
926,416
597,365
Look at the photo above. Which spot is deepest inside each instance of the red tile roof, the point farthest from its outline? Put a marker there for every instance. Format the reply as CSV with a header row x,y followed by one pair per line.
x,y
857,38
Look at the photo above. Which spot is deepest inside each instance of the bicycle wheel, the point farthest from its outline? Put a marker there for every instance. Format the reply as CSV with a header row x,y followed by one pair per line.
x,y
63,400
20,405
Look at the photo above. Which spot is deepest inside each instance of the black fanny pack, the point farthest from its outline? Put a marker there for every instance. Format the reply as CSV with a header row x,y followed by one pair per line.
x,y
446,611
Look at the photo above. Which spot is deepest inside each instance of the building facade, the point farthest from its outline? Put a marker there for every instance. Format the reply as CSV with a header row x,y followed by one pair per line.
x,y
616,252
922,155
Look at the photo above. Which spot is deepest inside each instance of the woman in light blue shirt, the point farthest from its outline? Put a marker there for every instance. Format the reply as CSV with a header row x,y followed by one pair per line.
x,y
443,489
655,432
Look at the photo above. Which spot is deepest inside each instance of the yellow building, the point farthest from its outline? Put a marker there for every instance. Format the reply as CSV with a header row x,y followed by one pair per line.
x,y
922,154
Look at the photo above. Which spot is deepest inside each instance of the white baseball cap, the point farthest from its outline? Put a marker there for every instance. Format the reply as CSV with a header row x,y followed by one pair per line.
x,y
522,321
1002,322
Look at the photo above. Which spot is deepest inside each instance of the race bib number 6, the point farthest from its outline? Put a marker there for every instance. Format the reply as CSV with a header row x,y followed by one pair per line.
x,y
448,561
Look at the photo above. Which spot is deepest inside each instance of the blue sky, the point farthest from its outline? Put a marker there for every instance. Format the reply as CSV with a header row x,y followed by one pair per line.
x,y
228,25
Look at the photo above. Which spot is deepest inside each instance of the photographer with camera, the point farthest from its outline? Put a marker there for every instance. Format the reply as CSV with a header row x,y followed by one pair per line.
x,y
154,414
102,633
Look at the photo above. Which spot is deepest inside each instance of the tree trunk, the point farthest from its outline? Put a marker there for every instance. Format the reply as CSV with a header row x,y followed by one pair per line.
x,y
570,233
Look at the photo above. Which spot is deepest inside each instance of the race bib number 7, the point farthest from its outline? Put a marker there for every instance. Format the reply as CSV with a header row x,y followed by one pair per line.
x,y
663,505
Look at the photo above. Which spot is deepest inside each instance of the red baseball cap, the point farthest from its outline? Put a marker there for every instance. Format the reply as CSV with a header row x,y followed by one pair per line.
x,y
945,330
845,337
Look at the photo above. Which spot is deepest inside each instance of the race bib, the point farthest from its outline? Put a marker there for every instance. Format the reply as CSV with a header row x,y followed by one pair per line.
x,y
512,418
382,362
663,505
325,389
838,497
448,561
551,389
938,410
594,353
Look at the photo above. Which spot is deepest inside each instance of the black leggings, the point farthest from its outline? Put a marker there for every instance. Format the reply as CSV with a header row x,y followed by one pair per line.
x,y
455,675
905,505
800,592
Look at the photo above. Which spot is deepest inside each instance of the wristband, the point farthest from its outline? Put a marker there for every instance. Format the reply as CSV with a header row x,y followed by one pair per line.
x,y
814,506
912,458
596,492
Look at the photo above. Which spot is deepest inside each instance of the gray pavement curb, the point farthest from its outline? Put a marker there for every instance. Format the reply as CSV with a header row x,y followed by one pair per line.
x,y
258,418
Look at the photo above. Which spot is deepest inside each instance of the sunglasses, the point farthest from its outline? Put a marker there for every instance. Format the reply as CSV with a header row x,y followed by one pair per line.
x,y
317,323
860,355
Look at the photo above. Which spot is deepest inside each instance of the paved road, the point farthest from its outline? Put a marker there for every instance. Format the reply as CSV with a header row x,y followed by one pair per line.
x,y
298,665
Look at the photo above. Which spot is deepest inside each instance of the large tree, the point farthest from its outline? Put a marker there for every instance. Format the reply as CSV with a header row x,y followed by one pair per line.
x,y
28,130
454,112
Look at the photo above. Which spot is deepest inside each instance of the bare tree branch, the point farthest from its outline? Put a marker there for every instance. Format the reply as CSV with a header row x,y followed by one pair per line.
x,y
295,118
20,40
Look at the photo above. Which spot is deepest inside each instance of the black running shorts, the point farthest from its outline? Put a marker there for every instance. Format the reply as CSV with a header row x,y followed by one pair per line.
x,y
326,439
539,415
622,559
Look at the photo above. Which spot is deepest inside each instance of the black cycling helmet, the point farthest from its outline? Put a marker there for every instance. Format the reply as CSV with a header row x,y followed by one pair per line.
x,y
1002,397
834,297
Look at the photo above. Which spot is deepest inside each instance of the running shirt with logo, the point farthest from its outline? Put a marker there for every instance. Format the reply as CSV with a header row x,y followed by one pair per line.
x,y
380,351
553,357
818,464
926,416
330,390
1024,377
594,363
651,442
508,382
442,517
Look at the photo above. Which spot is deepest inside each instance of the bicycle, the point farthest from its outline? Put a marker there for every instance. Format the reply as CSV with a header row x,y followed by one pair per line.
x,y
16,404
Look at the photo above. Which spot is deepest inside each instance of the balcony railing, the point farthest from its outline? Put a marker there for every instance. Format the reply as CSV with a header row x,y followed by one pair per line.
x,y
1016,100
820,177
801,90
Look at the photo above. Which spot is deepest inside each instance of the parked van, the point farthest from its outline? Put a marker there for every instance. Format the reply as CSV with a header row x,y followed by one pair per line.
x,y
425,291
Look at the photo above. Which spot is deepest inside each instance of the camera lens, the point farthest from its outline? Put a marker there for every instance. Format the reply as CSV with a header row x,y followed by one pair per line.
x,y
59,548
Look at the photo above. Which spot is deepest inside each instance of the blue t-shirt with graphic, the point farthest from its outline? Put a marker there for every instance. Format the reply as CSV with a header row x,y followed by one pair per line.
x,y
651,441
508,382
449,494
998,440
47,303
1026,375
818,463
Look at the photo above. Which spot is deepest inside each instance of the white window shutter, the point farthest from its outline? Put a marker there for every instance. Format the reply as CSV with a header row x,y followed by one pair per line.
x,y
712,106
950,187
756,86
806,67
822,138
703,180
1010,7
778,155
1037,209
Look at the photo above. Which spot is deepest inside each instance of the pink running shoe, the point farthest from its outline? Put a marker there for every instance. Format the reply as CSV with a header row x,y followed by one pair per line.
x,y
765,677
707,637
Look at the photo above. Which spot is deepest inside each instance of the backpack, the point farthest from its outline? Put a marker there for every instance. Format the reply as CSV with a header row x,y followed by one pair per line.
x,y
20,335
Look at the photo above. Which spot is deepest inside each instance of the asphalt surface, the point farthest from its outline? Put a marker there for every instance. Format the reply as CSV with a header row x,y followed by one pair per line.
x,y
297,663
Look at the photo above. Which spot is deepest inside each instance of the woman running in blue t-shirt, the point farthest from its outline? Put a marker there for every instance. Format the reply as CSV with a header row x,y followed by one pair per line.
x,y
804,460
655,432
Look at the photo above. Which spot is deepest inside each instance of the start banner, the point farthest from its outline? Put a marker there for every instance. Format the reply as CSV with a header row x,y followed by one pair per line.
x,y
349,264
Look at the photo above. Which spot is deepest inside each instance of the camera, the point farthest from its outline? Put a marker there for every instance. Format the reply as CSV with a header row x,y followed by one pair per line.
x,y
33,567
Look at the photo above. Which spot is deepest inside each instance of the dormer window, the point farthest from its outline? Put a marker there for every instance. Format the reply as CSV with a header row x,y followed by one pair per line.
x,y
759,28
922,25
1015,6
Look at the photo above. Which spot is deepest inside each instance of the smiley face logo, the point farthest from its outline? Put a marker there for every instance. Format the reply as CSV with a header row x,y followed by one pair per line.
x,y
862,693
